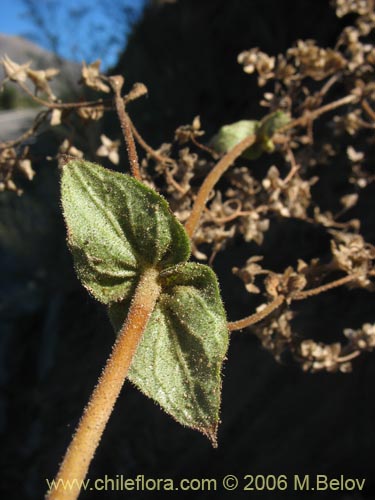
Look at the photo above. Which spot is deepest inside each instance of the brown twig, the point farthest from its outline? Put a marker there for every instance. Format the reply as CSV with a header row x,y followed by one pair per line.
x,y
313,115
210,181
154,154
258,316
61,105
208,150
223,220
301,295
366,107
329,83
349,357
229,158
304,294
164,160
116,83
294,167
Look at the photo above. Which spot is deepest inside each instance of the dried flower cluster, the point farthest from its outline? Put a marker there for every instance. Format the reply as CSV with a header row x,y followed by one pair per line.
x,y
330,94
354,256
10,163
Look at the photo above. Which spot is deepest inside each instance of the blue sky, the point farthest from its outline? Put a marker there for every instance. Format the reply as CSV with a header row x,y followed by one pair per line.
x,y
99,30
10,21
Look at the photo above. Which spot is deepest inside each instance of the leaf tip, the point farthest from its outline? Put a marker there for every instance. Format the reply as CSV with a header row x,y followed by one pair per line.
x,y
211,433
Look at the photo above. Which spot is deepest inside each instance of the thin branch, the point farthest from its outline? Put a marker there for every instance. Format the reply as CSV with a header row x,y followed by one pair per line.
x,y
229,218
313,115
154,154
365,124
304,294
61,105
96,415
116,84
294,167
212,178
329,83
301,295
366,107
348,357
258,316
164,160
234,153
208,150
138,90
349,99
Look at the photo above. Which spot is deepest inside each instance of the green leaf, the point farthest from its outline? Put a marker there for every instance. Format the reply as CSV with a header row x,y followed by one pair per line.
x,y
179,360
230,135
116,227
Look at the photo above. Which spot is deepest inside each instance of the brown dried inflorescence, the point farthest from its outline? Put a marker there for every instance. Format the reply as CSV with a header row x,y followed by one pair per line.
x,y
330,94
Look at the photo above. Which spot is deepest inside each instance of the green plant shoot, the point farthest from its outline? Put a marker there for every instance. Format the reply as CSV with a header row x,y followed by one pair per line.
x,y
118,228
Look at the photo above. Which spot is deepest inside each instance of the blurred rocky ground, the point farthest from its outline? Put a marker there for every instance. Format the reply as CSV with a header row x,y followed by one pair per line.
x,y
14,122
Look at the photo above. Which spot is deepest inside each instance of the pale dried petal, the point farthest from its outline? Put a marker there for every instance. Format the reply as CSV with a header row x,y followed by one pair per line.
x,y
92,78
114,157
26,168
15,72
56,117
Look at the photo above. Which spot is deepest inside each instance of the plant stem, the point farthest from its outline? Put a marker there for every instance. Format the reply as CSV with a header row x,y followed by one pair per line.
x,y
62,105
165,160
301,295
116,84
211,179
349,357
366,106
304,294
258,316
314,114
208,150
96,414
229,158
154,154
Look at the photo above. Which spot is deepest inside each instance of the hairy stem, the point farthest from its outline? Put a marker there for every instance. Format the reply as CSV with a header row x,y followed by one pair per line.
x,y
212,178
258,316
96,414
304,294
116,84
309,116
301,295
234,153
